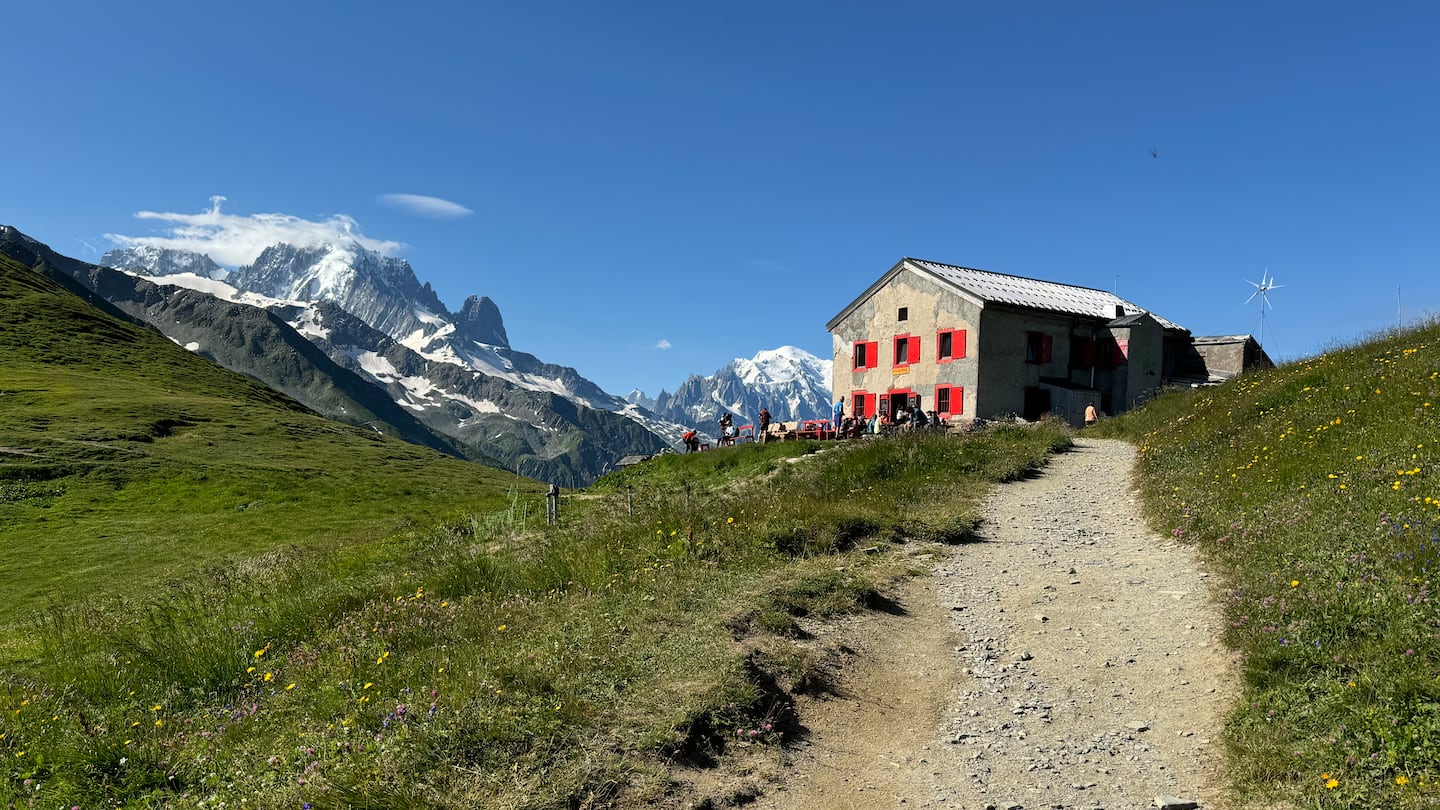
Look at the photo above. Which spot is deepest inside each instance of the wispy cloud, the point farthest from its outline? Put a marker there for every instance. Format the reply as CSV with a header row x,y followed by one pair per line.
x,y
235,240
423,206
663,344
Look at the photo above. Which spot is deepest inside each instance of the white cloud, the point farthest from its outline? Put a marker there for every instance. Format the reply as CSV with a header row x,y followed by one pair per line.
x,y
235,240
423,206
663,344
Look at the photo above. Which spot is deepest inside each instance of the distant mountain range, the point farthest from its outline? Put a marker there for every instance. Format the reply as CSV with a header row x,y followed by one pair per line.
x,y
356,336
792,383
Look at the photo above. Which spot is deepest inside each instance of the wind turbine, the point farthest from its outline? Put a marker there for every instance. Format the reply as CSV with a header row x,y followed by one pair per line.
x,y
1262,290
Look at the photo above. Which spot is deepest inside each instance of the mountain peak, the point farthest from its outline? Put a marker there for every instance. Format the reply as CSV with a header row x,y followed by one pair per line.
x,y
151,260
479,320
791,382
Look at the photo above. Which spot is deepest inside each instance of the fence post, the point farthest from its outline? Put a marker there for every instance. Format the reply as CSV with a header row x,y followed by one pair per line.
x,y
630,500
552,505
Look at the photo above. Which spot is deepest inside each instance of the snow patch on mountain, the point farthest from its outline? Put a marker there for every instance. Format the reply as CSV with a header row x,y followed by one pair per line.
x,y
383,292
790,382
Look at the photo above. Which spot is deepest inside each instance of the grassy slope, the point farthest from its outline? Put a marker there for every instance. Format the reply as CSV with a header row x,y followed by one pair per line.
x,y
1315,488
494,661
126,459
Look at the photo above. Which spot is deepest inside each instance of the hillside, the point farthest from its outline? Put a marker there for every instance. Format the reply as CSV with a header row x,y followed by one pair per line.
x,y
124,458
1315,489
247,605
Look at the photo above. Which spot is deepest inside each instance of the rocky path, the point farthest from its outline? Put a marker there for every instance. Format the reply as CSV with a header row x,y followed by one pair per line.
x,y
1070,660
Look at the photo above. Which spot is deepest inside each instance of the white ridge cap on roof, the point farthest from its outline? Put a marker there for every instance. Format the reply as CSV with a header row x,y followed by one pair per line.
x,y
1036,294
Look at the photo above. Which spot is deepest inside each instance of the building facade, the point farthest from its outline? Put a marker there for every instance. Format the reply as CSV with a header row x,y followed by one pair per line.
x,y
970,344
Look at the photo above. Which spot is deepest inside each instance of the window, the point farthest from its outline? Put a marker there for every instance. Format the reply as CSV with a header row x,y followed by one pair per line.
x,y
949,400
903,314
1037,347
907,350
866,354
949,345
862,405
1082,352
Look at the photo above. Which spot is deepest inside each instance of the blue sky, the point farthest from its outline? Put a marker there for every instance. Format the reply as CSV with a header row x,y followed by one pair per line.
x,y
723,178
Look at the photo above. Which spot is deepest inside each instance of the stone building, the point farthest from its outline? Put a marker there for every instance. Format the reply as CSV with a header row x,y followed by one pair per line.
x,y
970,343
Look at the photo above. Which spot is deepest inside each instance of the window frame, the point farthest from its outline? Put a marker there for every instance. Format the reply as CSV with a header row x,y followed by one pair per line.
x,y
912,350
1039,347
954,400
958,341
870,351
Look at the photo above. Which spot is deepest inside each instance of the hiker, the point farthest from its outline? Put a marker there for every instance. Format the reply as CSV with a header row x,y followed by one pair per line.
x,y
727,429
692,442
839,412
918,419
764,423
1090,415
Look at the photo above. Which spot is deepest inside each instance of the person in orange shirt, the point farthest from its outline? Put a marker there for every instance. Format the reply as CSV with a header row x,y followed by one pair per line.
x,y
1090,415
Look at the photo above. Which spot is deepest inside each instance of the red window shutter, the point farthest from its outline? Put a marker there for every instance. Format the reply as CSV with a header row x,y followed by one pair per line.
x,y
915,349
874,353
957,400
1046,343
958,345
869,405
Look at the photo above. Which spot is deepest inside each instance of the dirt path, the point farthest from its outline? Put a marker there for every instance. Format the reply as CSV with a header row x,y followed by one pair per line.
x,y
1070,660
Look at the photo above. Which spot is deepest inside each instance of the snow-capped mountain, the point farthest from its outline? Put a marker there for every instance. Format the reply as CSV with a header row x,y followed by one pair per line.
x,y
792,383
158,261
456,372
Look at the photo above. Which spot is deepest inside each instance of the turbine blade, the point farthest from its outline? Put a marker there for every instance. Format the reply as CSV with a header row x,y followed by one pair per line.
x,y
1252,295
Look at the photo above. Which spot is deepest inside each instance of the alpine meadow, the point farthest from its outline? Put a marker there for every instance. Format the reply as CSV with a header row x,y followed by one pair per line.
x,y
218,598
1313,488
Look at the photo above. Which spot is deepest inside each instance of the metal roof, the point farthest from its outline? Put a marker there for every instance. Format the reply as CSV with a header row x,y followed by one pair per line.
x,y
1212,340
1035,294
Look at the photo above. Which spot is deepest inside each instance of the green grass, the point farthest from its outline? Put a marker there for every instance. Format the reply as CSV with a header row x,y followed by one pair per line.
x,y
1314,488
216,598
494,663
126,460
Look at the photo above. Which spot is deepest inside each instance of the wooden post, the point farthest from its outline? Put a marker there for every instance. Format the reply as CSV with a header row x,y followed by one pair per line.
x,y
630,500
552,505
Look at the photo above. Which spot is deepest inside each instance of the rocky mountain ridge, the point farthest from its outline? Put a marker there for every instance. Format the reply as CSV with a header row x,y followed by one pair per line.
x,y
791,382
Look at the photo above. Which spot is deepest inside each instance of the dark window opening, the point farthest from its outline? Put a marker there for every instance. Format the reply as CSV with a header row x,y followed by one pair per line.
x,y
949,345
1037,347
907,350
904,314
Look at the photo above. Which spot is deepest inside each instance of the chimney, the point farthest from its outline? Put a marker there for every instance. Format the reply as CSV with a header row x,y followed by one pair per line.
x,y
1119,310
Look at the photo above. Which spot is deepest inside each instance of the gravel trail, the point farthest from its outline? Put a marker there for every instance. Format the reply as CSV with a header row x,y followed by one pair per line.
x,y
1071,659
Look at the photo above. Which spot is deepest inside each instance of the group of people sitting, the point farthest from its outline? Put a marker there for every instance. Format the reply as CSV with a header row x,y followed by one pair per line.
x,y
849,427
728,432
904,419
